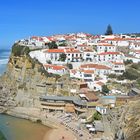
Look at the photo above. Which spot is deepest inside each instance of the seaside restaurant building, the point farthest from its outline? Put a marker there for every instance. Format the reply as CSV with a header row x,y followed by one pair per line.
x,y
67,104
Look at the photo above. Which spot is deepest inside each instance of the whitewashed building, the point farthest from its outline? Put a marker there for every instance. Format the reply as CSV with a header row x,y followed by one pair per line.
x,y
118,68
100,70
55,69
105,47
135,45
110,56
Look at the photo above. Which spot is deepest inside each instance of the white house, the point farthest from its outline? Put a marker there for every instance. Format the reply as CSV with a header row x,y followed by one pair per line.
x,y
75,73
89,55
118,41
135,53
100,70
39,55
81,41
135,45
53,54
55,69
105,47
101,109
98,86
118,67
86,75
36,41
110,56
73,55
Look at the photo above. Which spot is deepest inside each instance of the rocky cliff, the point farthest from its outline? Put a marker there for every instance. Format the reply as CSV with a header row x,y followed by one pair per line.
x,y
125,121
25,80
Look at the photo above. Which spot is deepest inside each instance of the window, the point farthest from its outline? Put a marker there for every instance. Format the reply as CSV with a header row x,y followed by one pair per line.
x,y
87,75
76,55
88,54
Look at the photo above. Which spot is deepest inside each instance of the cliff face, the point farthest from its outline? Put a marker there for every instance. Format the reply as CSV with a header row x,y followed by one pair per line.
x,y
19,83
130,120
25,80
125,121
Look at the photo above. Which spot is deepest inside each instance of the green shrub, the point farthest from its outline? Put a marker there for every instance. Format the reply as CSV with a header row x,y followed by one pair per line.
x,y
19,50
128,62
131,74
62,57
70,66
97,116
52,45
135,66
49,62
112,76
105,89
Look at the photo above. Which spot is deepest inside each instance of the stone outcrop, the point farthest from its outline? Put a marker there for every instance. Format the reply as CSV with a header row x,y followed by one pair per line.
x,y
125,121
24,81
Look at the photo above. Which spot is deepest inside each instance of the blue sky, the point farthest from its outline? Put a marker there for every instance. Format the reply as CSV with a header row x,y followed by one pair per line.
x,y
23,18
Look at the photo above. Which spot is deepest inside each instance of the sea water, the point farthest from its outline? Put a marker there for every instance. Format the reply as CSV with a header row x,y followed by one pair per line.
x,y
14,128
20,129
4,57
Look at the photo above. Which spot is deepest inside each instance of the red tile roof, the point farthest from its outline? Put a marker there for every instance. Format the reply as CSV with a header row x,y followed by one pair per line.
x,y
88,71
91,96
72,51
111,53
96,66
37,38
106,44
55,67
55,51
100,83
118,63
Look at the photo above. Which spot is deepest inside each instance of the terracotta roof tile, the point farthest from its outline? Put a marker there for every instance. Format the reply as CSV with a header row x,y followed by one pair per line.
x,y
111,53
55,51
55,67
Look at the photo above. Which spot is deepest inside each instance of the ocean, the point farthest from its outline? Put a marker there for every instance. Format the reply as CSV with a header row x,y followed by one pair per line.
x,y
13,128
4,57
19,129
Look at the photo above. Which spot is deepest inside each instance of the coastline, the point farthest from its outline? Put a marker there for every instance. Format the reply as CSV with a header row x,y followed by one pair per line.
x,y
56,131
60,133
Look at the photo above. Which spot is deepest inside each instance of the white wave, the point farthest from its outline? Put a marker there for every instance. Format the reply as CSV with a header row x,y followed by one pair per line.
x,y
3,61
5,54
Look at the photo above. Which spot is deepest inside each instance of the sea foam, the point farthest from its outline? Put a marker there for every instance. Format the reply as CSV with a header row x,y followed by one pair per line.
x,y
3,61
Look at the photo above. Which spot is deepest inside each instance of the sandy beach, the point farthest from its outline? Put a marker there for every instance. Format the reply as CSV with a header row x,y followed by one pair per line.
x,y
60,133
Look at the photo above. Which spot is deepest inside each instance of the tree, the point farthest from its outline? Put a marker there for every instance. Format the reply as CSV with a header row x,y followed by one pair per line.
x,y
62,57
70,66
109,30
127,62
97,116
105,89
52,45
